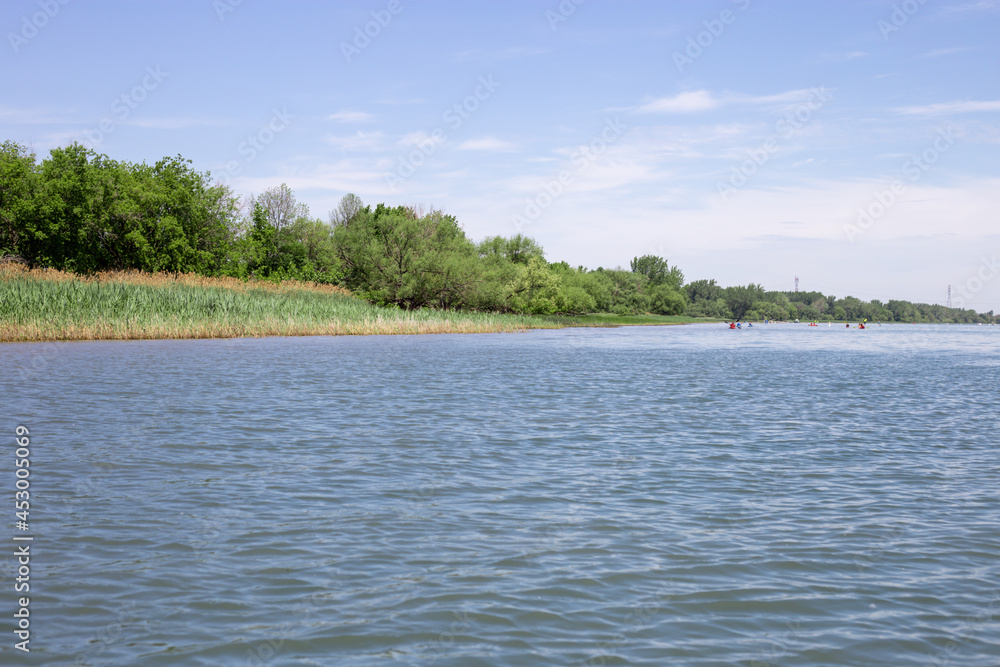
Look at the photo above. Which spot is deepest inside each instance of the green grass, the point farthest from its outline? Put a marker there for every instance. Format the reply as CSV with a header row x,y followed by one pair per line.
x,y
36,306
40,305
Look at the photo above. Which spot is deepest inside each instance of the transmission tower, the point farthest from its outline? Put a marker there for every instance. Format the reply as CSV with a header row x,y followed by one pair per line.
x,y
796,283
949,296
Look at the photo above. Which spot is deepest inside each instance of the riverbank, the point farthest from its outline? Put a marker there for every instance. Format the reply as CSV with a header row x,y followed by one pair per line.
x,y
46,305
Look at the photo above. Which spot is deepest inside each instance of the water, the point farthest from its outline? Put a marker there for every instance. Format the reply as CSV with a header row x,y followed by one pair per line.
x,y
786,495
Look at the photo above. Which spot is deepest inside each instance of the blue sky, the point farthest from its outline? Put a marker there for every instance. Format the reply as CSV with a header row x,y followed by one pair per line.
x,y
852,143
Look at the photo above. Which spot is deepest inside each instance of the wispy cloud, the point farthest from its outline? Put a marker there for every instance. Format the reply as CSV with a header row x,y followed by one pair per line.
x,y
963,106
699,100
968,7
841,57
350,116
486,144
937,53
704,100
24,116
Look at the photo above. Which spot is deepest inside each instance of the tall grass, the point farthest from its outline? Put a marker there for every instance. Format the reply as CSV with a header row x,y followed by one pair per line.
x,y
38,305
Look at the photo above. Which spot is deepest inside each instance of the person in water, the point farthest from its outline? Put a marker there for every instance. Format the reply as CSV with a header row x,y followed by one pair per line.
x,y
732,325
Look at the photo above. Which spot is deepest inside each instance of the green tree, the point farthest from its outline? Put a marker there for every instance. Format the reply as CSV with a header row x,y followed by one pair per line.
x,y
658,271
740,299
703,290
18,182
91,213
517,249
535,289
574,297
392,256
665,300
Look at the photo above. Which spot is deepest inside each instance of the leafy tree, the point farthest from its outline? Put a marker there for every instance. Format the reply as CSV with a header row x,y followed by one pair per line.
x,y
665,300
658,271
391,256
517,249
739,299
628,295
91,213
18,181
703,290
574,297
536,288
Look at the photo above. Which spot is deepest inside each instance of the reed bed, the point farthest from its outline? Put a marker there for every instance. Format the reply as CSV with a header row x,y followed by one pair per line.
x,y
44,305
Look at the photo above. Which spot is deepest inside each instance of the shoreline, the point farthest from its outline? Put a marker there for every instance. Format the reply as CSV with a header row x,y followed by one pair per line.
x,y
45,305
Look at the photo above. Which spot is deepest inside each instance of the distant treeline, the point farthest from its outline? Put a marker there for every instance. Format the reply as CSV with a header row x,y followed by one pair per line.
x,y
83,212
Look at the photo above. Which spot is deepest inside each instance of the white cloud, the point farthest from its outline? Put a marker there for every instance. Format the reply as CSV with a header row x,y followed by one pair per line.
x,y
966,106
699,100
704,100
349,116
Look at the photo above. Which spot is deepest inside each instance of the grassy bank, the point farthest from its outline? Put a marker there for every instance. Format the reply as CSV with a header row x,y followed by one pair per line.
x,y
39,305
45,304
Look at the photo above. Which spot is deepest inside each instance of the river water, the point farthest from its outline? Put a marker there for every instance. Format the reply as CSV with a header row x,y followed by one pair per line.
x,y
686,495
